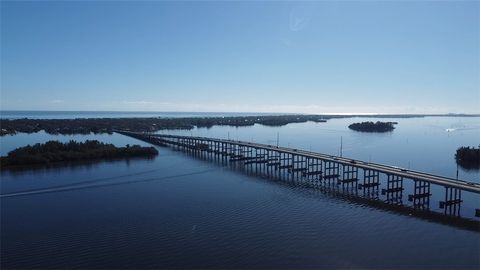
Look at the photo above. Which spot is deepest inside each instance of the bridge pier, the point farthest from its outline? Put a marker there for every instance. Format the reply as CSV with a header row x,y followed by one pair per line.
x,y
285,161
314,171
421,196
452,202
300,165
371,182
349,179
332,172
350,174
273,161
394,190
226,149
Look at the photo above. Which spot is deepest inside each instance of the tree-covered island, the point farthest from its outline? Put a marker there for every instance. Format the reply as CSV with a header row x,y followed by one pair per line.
x,y
373,126
468,157
55,151
150,124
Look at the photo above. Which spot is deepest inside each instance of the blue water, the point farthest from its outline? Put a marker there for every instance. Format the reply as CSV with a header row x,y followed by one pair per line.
x,y
417,143
177,211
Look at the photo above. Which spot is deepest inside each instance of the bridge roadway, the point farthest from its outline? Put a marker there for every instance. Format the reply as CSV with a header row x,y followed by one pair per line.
x,y
391,170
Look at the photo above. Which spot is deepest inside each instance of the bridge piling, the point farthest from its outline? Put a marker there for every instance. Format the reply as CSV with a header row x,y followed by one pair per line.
x,y
349,180
371,182
452,202
331,172
394,190
421,196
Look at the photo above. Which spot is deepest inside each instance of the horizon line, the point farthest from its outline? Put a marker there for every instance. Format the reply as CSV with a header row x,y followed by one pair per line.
x,y
240,112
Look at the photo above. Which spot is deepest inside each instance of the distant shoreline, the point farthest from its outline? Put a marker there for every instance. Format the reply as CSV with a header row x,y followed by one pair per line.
x,y
146,124
68,126
49,115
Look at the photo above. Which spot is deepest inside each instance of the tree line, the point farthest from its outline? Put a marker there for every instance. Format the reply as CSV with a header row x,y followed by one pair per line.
x,y
150,124
373,126
55,151
468,157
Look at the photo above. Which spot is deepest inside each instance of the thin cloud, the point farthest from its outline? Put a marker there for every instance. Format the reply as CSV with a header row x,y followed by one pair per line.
x,y
300,18
297,23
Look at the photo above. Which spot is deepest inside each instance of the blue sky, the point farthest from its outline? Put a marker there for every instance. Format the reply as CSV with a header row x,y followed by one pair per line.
x,y
308,57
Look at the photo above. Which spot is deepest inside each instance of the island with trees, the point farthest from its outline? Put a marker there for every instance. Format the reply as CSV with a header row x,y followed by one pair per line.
x,y
468,157
153,124
373,126
53,152
150,124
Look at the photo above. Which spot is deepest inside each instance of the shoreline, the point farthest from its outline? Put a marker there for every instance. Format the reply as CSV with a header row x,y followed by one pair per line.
x,y
53,152
171,114
69,126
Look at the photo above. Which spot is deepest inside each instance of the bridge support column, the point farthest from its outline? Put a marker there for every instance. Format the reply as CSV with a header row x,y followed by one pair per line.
x,y
332,171
191,146
234,154
273,161
226,149
217,151
394,190
350,174
285,161
371,182
266,155
349,179
314,171
421,195
453,200
300,165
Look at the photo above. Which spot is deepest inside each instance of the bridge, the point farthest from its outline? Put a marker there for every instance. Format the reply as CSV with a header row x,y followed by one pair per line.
x,y
351,174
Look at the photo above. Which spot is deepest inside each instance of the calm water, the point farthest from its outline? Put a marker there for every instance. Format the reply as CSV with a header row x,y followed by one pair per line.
x,y
178,211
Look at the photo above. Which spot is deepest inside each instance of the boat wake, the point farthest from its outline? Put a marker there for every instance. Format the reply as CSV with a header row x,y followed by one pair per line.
x,y
94,184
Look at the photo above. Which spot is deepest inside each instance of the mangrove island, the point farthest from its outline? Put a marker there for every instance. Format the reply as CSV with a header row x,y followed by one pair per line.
x,y
55,151
153,124
468,157
373,126
150,124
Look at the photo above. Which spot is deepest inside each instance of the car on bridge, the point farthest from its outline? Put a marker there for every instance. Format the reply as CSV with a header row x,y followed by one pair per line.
x,y
401,169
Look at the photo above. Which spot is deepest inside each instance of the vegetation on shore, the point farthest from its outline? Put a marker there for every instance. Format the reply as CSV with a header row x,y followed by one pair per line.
x,y
108,125
373,126
55,151
468,157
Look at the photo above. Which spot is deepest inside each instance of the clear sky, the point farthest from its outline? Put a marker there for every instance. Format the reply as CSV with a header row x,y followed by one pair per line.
x,y
308,57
